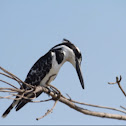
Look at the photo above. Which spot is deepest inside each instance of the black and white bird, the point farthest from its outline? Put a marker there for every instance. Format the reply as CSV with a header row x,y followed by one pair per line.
x,y
47,67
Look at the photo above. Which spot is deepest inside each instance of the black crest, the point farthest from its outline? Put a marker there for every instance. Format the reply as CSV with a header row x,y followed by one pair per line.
x,y
71,46
66,40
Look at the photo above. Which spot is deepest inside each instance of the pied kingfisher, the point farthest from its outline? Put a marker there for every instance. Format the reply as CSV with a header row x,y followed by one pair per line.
x,y
47,67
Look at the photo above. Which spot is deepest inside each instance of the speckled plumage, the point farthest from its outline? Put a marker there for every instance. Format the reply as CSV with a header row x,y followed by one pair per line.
x,y
39,70
47,67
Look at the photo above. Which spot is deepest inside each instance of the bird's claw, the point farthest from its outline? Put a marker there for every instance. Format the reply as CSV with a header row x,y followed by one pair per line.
x,y
58,95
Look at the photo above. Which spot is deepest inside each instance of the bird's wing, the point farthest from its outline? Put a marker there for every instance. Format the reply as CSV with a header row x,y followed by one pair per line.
x,y
39,70
36,74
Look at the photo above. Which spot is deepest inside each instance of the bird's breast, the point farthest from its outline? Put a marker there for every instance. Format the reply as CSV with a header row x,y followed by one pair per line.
x,y
51,75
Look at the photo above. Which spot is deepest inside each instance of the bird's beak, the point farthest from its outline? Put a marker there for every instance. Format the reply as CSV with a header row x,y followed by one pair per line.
x,y
79,73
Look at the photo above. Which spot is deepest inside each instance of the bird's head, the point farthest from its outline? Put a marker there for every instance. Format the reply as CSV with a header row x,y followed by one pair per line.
x,y
73,55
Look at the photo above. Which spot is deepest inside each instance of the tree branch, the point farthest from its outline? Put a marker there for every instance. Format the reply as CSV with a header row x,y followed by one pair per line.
x,y
118,82
48,111
56,96
98,106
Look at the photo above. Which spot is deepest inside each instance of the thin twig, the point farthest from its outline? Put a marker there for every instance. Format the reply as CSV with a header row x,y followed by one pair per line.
x,y
123,107
42,100
93,113
98,106
8,84
48,111
9,97
69,96
118,82
10,74
112,83
11,77
11,89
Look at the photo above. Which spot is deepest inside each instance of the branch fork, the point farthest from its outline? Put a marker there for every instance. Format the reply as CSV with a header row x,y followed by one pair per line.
x,y
118,80
56,96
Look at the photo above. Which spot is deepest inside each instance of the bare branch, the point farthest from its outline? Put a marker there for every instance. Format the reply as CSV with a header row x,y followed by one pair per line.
x,y
10,90
10,74
118,82
56,96
92,113
98,106
123,107
42,100
48,111
11,77
84,111
8,84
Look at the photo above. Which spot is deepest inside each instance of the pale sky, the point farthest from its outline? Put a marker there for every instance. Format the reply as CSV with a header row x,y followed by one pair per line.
x,y
29,28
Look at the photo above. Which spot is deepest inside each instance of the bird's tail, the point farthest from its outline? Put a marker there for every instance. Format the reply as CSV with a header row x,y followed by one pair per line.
x,y
22,102
9,109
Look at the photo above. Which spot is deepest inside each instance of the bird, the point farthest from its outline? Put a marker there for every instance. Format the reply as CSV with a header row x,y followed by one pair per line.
x,y
46,68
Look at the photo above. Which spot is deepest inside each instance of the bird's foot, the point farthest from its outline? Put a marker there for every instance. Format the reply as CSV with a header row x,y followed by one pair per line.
x,y
56,92
48,90
58,95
